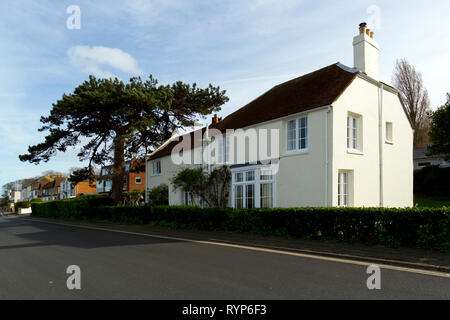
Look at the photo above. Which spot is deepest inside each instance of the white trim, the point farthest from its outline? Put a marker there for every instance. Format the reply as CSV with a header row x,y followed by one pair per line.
x,y
380,144
297,148
325,193
153,174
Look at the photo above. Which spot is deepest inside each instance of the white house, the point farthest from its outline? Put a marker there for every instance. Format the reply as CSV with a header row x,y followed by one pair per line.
x,y
340,137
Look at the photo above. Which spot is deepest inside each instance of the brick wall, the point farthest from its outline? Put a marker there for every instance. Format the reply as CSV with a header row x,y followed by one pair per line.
x,y
84,188
131,183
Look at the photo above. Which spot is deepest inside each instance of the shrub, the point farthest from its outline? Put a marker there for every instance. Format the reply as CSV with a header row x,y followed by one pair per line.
x,y
158,196
125,214
76,208
36,200
135,197
21,204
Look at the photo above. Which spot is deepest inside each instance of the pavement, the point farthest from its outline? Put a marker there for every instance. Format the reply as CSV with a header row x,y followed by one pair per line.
x,y
148,262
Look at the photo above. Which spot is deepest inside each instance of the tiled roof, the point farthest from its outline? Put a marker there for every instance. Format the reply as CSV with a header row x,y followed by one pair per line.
x,y
313,90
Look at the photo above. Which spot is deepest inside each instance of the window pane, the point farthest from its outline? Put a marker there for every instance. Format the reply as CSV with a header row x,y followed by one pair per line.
x,y
239,195
303,122
343,189
250,176
266,195
291,128
348,132
266,174
238,177
354,132
250,195
227,149
303,133
303,144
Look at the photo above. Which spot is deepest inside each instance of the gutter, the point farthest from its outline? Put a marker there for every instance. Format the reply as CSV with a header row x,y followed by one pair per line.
x,y
325,193
380,131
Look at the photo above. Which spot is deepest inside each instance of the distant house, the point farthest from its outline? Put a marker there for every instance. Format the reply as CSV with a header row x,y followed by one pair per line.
x,y
133,180
51,190
36,186
422,160
26,189
15,194
72,190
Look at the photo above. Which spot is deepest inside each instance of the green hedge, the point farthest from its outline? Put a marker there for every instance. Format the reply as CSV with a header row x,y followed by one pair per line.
x,y
424,227
421,227
76,208
21,204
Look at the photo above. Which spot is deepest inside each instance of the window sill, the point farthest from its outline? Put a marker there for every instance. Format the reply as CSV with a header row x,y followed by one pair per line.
x,y
389,142
357,152
155,175
296,152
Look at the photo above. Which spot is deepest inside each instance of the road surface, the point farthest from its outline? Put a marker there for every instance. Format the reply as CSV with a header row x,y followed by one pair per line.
x,y
34,257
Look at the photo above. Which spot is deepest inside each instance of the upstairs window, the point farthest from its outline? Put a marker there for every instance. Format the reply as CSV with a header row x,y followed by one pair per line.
x,y
223,147
138,180
156,167
353,132
297,134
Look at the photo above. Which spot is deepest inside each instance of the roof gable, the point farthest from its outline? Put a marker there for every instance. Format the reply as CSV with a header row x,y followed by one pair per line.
x,y
313,90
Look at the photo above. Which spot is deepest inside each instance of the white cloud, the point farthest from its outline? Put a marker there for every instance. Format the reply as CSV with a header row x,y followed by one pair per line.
x,y
95,60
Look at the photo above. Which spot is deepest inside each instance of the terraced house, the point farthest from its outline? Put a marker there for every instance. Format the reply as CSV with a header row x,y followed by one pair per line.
x,y
343,138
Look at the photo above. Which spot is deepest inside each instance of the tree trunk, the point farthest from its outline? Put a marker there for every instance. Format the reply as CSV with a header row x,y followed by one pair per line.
x,y
118,178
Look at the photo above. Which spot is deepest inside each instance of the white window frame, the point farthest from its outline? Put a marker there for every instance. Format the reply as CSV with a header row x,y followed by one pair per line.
x,y
135,180
345,188
256,182
223,149
354,125
297,138
156,168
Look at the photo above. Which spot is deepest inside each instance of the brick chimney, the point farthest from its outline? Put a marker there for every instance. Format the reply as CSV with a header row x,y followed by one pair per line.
x,y
366,52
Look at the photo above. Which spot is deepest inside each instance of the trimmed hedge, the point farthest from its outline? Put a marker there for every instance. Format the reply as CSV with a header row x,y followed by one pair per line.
x,y
76,208
421,227
21,205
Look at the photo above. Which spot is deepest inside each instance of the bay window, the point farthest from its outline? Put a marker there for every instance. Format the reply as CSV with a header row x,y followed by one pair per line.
x,y
253,188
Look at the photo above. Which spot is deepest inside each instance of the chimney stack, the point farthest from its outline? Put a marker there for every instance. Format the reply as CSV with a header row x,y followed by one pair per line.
x,y
366,52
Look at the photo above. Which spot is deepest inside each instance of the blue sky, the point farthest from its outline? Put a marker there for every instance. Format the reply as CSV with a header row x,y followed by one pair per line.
x,y
246,47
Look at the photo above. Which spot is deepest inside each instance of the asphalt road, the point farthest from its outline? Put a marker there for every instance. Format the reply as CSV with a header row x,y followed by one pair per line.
x,y
34,257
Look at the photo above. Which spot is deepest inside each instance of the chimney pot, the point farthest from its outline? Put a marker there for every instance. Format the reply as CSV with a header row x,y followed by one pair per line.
x,y
215,119
368,32
371,34
362,27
